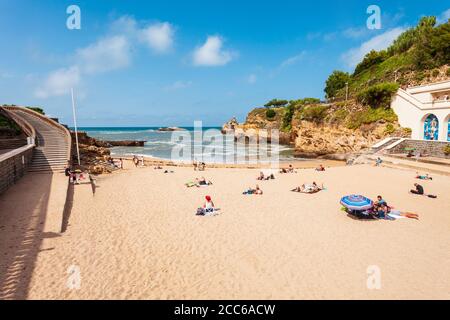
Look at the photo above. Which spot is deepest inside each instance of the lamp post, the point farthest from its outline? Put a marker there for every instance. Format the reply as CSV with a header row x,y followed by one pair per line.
x,y
346,91
75,125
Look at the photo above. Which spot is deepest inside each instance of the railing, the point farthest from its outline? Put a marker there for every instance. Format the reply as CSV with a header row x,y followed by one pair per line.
x,y
13,166
51,122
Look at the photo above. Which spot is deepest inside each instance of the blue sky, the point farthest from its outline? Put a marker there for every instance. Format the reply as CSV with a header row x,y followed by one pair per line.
x,y
151,63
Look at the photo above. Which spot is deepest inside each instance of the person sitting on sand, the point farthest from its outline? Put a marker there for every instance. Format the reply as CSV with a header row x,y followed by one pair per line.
x,y
423,177
261,176
378,162
320,168
201,167
380,202
208,207
270,177
258,191
419,189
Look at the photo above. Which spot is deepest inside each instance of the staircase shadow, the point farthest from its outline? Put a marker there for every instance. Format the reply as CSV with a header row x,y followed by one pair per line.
x,y
23,213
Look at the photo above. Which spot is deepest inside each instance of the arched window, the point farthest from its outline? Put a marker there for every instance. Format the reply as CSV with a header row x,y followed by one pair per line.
x,y
431,128
448,127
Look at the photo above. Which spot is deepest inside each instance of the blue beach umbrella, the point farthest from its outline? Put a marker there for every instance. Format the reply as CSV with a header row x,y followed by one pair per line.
x,y
356,202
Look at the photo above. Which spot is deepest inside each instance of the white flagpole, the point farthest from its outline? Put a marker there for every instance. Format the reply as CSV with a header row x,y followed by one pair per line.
x,y
75,124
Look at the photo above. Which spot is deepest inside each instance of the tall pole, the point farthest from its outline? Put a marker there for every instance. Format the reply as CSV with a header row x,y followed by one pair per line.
x,y
346,91
75,125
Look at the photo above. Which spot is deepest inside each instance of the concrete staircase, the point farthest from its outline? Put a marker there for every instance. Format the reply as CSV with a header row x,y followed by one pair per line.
x,y
51,152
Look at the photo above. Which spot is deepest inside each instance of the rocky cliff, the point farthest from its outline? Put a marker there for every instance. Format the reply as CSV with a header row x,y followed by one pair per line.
x,y
324,130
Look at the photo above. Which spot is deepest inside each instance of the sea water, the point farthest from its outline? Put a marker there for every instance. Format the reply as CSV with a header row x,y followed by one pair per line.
x,y
164,145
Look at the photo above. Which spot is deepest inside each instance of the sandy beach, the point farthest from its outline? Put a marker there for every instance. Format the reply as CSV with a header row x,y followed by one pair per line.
x,y
139,238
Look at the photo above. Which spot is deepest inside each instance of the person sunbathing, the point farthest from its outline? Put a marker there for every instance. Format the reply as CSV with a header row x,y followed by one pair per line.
x,y
270,177
261,176
423,177
203,182
387,213
309,188
320,168
256,191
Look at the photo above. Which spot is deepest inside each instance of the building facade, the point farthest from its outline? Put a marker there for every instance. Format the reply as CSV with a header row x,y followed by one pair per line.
x,y
426,110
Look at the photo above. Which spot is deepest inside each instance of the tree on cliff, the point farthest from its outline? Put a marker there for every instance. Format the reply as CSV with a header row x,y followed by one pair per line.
x,y
276,103
335,82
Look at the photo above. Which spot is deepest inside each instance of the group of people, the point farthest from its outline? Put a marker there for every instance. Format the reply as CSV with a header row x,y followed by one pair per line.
x,y
289,169
138,161
264,177
381,210
199,166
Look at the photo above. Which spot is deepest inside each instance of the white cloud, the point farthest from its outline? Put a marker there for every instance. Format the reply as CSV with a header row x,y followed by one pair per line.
x,y
59,82
293,60
379,42
443,17
158,37
211,53
177,85
356,32
107,54
251,79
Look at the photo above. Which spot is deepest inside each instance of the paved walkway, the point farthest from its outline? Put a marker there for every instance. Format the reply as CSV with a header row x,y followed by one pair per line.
x,y
30,212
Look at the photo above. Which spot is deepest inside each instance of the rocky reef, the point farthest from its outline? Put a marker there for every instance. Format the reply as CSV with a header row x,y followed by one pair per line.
x,y
95,154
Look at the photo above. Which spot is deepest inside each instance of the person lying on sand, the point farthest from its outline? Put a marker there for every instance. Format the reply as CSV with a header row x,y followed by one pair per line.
x,y
387,213
158,168
423,177
256,191
320,168
309,188
290,169
202,182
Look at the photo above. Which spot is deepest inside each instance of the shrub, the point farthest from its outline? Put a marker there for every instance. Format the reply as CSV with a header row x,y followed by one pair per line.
x,y
370,116
270,114
287,117
389,128
314,113
379,95
435,73
371,59
447,150
37,109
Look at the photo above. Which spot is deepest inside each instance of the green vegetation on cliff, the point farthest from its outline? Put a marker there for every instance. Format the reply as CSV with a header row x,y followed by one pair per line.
x,y
419,51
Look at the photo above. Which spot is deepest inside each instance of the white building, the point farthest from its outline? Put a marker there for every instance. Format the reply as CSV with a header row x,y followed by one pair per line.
x,y
426,110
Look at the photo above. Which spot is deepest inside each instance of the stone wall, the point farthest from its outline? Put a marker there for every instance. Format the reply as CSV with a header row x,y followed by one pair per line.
x,y
431,148
12,168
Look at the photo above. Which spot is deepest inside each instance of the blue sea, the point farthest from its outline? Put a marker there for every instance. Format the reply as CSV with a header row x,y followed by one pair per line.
x,y
179,146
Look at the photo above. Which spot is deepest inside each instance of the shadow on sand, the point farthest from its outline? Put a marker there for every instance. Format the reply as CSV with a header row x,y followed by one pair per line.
x,y
23,210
